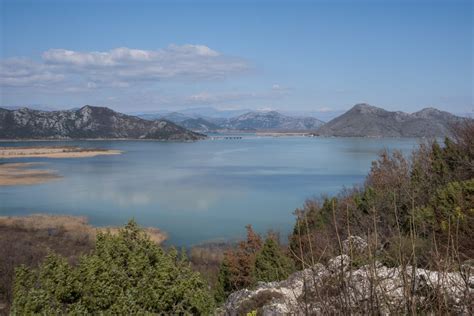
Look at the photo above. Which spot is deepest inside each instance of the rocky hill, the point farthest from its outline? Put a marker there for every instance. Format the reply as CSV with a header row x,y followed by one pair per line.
x,y
366,120
271,120
86,122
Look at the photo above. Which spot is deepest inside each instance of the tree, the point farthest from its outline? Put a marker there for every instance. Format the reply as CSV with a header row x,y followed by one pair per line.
x,y
271,264
238,268
126,274
450,215
224,286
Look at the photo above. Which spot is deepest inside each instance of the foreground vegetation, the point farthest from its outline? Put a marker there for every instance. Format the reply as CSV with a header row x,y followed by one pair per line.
x,y
126,273
415,213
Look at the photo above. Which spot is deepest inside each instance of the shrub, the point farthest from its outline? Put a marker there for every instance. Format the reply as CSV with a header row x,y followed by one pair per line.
x,y
126,273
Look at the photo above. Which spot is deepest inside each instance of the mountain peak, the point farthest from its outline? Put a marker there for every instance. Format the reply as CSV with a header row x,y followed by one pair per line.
x,y
365,108
429,110
87,122
367,120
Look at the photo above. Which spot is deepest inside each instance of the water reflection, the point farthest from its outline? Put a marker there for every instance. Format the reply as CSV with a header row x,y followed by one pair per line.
x,y
203,190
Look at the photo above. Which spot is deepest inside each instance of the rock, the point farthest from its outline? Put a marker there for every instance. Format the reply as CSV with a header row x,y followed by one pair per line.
x,y
337,289
339,264
274,298
354,244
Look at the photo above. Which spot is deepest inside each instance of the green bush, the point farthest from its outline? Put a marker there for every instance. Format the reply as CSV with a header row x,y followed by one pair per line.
x,y
126,274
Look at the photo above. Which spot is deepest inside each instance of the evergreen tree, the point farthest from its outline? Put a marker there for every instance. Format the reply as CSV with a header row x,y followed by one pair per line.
x,y
224,286
271,264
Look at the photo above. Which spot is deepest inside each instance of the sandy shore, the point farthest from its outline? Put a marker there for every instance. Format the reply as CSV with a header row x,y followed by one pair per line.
x,y
53,152
24,174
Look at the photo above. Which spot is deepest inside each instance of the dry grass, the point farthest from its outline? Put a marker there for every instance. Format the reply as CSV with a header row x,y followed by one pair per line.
x,y
72,226
53,152
23,174
207,259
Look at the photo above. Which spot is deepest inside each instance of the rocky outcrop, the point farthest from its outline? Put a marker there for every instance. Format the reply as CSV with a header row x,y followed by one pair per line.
x,y
364,120
340,288
84,123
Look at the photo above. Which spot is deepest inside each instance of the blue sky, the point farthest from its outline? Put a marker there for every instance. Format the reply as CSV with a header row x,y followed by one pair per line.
x,y
287,55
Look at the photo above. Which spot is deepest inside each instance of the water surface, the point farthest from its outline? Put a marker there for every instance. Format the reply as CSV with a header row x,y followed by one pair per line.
x,y
202,191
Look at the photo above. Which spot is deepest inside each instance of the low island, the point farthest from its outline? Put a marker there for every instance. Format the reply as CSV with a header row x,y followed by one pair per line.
x,y
27,173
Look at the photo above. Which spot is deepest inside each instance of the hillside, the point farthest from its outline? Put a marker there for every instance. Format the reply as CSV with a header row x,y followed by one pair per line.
x,y
271,120
86,122
249,121
366,120
199,125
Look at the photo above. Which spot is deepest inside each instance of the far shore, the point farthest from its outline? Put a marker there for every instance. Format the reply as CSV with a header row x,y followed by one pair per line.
x,y
53,152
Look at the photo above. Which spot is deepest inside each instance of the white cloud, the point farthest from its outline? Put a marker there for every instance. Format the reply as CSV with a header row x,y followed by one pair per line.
x,y
120,67
15,72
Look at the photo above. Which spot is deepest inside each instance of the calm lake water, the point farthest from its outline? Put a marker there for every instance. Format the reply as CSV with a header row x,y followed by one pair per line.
x,y
196,192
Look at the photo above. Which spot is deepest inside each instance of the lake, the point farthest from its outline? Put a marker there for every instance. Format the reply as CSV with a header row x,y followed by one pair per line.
x,y
198,192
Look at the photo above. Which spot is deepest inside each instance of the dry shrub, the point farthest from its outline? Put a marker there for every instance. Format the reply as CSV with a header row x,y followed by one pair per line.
x,y
207,258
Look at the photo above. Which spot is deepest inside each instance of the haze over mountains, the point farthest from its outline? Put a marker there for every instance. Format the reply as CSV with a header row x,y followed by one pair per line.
x,y
362,120
249,121
87,122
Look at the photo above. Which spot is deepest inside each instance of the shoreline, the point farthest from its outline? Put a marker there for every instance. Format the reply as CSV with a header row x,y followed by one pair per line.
x,y
54,152
26,173
15,140
72,225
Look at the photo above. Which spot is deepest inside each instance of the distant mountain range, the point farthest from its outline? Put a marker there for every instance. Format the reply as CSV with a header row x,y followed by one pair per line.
x,y
99,122
271,120
195,112
250,121
370,121
84,123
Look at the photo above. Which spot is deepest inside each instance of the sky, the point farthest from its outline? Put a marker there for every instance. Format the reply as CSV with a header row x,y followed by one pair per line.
x,y
301,56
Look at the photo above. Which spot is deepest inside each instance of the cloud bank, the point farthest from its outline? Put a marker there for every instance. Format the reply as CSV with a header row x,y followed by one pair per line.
x,y
119,67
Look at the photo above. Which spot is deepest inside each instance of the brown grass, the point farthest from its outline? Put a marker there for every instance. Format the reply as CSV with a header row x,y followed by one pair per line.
x,y
23,174
72,226
53,152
